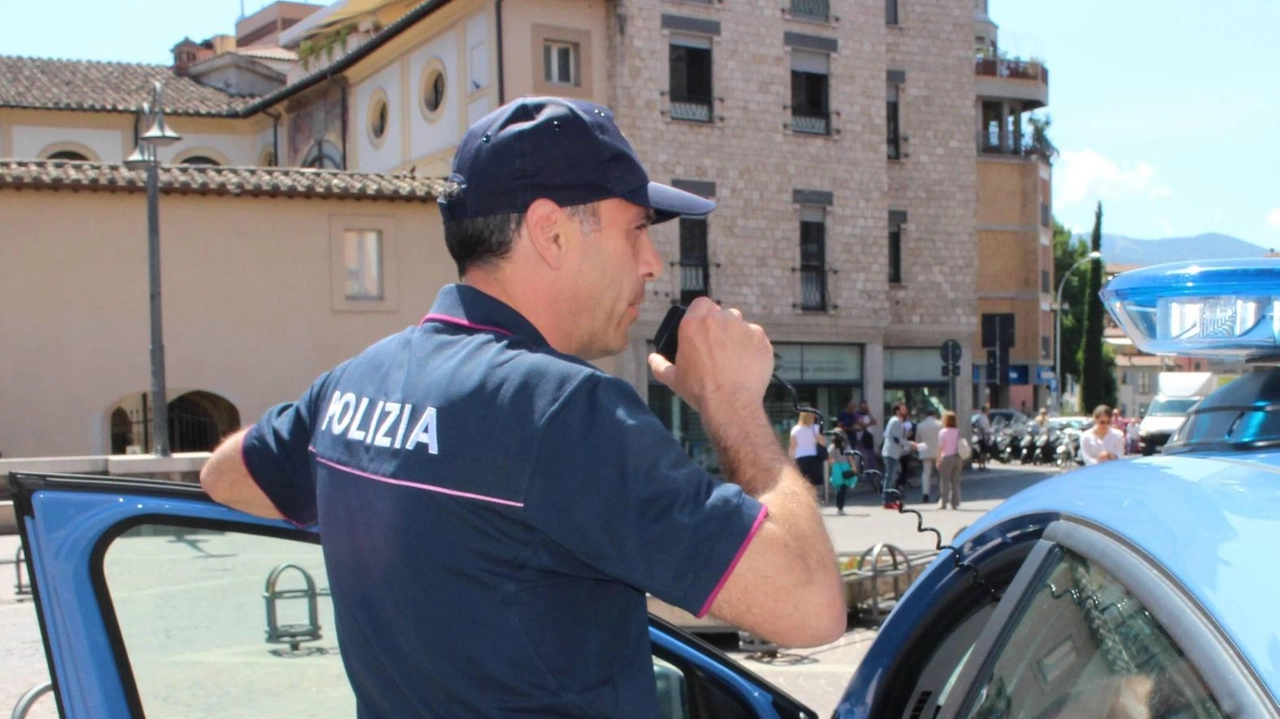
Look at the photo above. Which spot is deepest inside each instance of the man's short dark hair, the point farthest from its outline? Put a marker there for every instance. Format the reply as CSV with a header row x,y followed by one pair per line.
x,y
478,241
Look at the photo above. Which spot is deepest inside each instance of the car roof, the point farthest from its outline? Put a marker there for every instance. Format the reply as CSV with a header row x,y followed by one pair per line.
x,y
1212,522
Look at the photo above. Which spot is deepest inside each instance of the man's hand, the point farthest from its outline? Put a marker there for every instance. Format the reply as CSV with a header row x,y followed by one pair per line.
x,y
722,360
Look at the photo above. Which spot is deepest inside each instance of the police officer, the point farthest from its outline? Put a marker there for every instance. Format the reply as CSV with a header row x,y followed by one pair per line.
x,y
482,579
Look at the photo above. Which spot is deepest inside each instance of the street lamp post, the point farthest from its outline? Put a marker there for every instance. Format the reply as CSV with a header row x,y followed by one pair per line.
x,y
1057,330
145,157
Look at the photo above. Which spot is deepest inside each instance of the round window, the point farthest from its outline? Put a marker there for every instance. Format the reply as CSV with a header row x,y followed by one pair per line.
x,y
379,114
433,91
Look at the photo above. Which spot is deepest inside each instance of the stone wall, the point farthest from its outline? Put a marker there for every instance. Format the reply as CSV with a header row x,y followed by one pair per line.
x,y
757,163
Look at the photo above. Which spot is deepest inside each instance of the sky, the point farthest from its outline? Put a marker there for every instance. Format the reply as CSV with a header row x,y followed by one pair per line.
x,y
1166,111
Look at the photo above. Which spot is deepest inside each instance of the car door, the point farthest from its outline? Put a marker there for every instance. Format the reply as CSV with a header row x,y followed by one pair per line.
x,y
1091,627
156,602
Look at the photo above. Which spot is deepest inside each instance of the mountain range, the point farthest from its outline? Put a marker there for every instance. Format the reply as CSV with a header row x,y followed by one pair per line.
x,y
1121,250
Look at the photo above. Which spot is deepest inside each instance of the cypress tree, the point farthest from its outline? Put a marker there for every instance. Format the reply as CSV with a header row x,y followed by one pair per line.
x,y
1093,370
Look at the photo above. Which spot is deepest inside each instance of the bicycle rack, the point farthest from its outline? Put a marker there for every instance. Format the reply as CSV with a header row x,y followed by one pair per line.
x,y
291,634
899,565
749,642
27,700
21,586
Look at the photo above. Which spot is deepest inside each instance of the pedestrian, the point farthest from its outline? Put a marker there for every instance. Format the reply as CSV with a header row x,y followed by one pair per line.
x,y
949,463
841,470
847,419
806,438
1101,442
1042,419
472,578
982,428
927,434
895,445
865,418
1132,434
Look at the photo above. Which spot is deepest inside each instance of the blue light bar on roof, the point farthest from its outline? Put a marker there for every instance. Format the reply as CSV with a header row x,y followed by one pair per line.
x,y
1226,309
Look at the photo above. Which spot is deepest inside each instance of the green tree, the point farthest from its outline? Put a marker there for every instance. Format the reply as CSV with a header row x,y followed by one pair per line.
x,y
1067,251
1093,365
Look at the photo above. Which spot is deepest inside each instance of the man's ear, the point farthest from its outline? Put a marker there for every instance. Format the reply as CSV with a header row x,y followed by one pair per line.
x,y
542,225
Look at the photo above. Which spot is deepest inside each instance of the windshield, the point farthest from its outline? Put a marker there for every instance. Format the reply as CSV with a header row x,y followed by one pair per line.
x,y
1170,407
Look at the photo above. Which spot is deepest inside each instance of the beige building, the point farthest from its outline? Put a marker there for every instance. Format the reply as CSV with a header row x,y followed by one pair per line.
x,y
1015,229
836,136
268,280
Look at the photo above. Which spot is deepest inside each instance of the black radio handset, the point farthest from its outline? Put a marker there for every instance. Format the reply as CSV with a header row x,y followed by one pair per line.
x,y
666,341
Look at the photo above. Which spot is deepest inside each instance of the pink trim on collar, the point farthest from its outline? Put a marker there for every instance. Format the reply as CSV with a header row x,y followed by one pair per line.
x,y
462,323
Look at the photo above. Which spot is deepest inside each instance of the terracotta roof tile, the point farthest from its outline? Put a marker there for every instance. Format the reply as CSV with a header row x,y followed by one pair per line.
x,y
211,180
107,87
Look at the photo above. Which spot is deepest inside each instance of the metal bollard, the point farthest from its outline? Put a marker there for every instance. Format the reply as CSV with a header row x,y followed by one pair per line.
x,y
291,634
21,586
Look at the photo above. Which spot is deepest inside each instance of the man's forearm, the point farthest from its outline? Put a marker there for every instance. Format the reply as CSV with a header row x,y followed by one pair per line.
x,y
753,458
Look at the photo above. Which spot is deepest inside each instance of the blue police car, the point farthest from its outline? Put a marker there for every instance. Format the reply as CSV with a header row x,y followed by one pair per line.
x,y
1140,588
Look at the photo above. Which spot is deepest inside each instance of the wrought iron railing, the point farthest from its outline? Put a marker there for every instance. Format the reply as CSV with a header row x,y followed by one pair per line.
x,y
813,288
810,123
811,9
696,110
693,280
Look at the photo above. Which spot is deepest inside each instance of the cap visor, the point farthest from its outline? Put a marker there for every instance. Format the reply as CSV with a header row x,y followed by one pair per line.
x,y
669,203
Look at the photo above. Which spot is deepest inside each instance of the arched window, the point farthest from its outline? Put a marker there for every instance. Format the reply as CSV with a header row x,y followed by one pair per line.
x,y
68,155
323,155
201,160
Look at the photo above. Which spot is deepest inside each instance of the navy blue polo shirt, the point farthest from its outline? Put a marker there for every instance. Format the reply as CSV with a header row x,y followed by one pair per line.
x,y
492,513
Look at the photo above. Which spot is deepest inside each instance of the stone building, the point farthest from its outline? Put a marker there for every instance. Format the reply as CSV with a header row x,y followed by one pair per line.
x,y
838,137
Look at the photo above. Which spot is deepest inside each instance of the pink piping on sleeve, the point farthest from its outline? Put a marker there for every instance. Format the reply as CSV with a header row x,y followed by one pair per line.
x,y
764,512
461,323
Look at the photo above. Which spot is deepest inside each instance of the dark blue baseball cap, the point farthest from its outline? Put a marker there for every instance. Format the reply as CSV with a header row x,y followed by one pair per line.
x,y
568,151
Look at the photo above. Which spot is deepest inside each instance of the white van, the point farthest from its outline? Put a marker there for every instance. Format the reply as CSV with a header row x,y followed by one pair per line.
x,y
1178,392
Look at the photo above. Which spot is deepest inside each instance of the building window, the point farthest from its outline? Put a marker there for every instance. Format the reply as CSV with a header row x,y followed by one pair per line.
x,y
433,89
892,118
200,160
813,258
1124,377
819,10
560,63
890,12
695,271
362,259
810,107
1044,281
690,78
1144,383
323,155
68,155
1045,216
1046,347
379,117
895,253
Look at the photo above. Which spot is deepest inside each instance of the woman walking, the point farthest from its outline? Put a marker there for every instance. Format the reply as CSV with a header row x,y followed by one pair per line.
x,y
843,475
806,437
949,462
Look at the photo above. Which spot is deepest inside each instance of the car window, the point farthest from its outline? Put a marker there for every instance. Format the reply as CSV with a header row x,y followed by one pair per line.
x,y
1083,646
203,636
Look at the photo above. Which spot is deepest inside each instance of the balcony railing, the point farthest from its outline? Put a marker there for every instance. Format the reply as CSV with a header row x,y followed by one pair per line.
x,y
695,110
1017,69
693,280
811,9
813,289
811,123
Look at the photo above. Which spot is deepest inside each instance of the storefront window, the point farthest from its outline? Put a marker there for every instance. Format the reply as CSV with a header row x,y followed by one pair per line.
x,y
825,377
